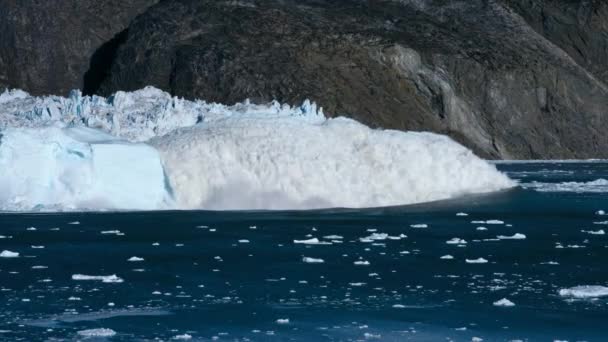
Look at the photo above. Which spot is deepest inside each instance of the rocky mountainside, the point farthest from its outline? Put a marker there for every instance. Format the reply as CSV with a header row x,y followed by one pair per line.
x,y
508,78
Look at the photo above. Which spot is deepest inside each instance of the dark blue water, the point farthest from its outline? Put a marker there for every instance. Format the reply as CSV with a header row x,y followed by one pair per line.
x,y
239,276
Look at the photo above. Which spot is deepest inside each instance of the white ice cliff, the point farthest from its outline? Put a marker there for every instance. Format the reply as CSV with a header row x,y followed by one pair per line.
x,y
148,150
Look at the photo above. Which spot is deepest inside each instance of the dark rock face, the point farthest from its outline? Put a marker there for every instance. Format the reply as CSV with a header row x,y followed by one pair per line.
x,y
46,45
508,78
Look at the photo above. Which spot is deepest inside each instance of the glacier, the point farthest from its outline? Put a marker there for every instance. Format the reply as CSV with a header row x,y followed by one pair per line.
x,y
76,168
147,150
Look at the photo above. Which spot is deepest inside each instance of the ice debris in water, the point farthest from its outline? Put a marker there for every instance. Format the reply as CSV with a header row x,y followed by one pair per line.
x,y
135,259
8,254
594,232
182,337
456,241
282,321
106,279
447,257
476,261
419,225
504,302
516,236
200,155
584,291
311,241
312,260
98,332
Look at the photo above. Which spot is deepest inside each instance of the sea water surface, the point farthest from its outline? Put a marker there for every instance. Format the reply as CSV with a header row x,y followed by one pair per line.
x,y
486,267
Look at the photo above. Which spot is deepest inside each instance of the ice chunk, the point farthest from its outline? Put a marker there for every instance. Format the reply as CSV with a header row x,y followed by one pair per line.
x,y
312,260
456,241
282,321
106,279
504,302
182,337
311,241
584,291
78,168
135,259
361,263
516,236
9,254
447,257
98,332
596,232
419,225
476,261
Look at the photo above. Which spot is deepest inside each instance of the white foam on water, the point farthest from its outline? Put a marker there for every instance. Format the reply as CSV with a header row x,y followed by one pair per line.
x,y
596,186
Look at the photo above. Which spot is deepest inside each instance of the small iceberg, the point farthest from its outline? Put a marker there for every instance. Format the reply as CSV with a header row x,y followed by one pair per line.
x,y
584,291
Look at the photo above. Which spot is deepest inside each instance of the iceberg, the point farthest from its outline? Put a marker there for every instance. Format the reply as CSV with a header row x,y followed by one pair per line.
x,y
147,150
78,168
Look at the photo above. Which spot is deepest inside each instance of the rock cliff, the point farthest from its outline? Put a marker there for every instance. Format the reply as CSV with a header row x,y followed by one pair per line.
x,y
508,78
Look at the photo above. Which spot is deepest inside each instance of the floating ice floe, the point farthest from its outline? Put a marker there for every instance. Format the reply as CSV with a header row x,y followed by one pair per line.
x,y
282,321
456,241
447,257
9,254
135,259
504,302
182,337
462,214
476,261
312,241
516,236
419,225
361,263
584,291
112,232
312,260
98,332
106,279
596,232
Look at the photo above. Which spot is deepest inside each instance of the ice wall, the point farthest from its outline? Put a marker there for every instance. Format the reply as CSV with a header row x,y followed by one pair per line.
x,y
56,168
54,154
